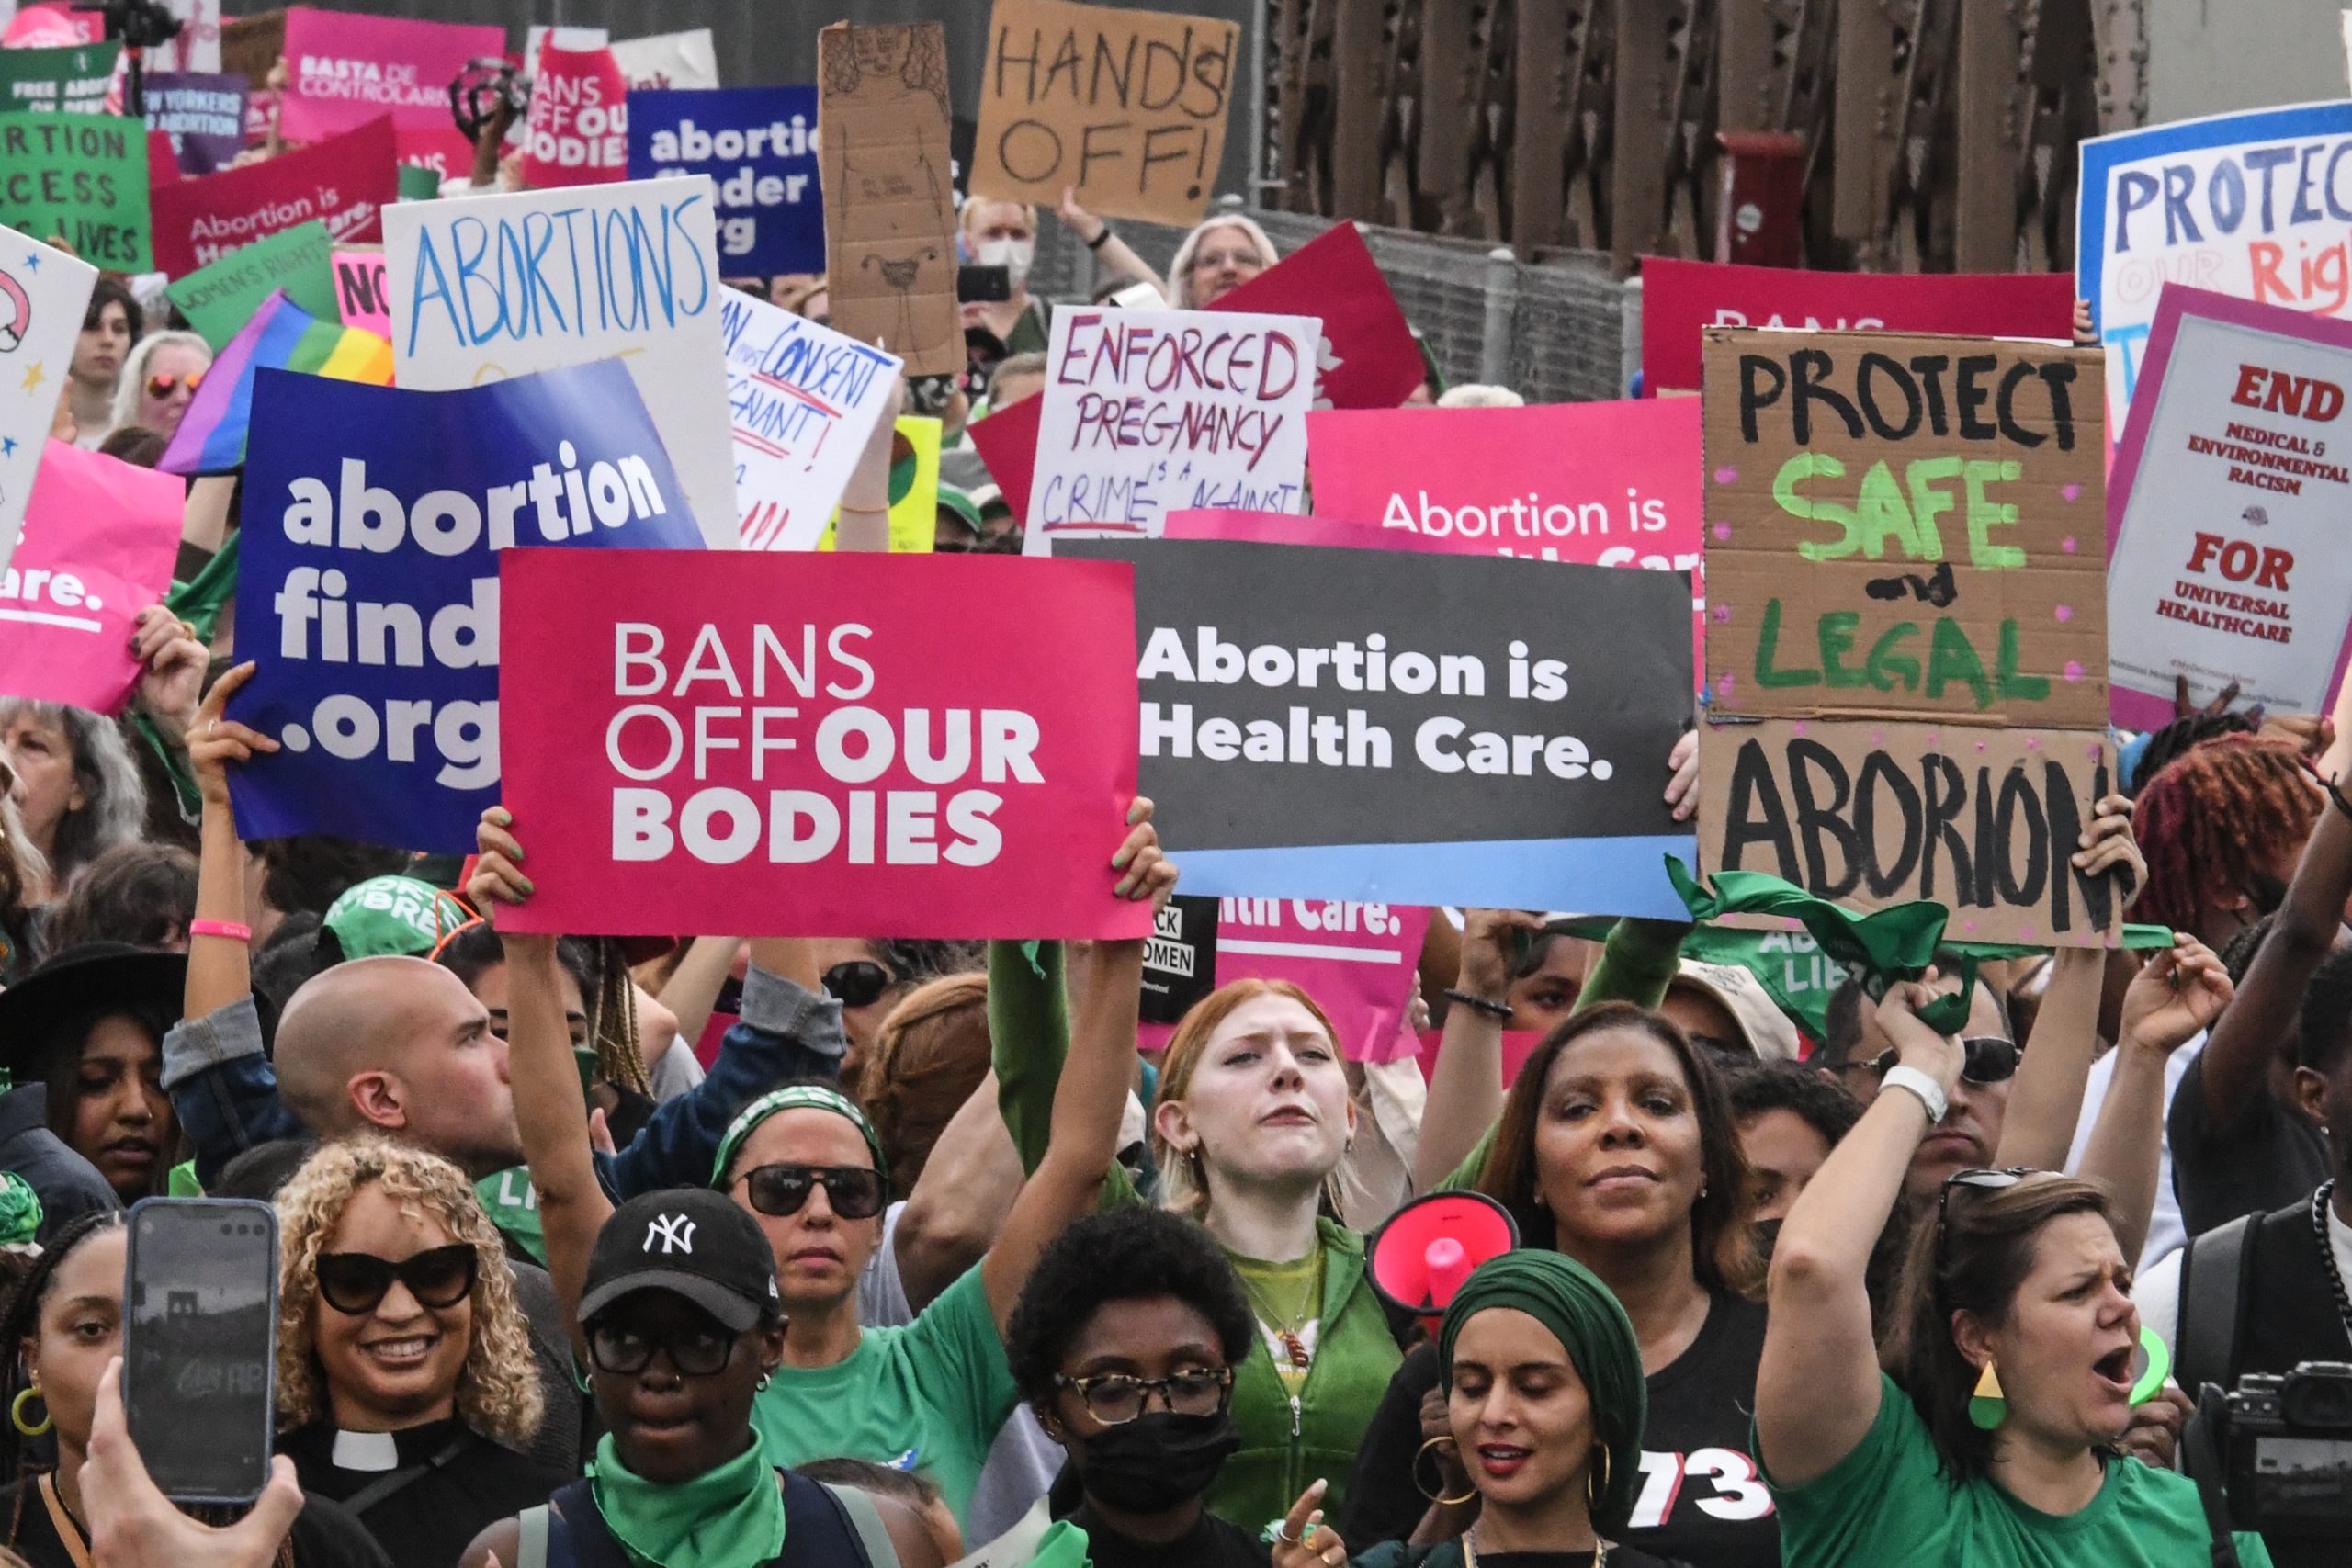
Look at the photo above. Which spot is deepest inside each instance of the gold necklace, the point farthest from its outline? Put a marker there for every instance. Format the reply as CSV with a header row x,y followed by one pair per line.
x,y
1470,1551
1290,1330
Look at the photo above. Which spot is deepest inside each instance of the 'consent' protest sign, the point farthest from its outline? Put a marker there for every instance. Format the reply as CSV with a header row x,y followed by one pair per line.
x,y
790,745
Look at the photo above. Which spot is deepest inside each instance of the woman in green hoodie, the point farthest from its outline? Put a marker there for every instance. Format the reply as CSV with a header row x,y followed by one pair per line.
x,y
1251,1119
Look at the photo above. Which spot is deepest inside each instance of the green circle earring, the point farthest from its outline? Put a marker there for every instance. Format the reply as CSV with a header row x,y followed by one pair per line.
x,y
17,1412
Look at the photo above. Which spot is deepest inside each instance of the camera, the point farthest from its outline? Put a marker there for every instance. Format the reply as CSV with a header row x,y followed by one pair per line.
x,y
2285,1444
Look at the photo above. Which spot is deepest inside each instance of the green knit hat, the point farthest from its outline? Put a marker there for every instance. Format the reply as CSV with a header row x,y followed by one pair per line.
x,y
393,915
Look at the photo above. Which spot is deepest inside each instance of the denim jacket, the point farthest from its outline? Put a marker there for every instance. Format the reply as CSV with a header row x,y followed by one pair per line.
x,y
225,1092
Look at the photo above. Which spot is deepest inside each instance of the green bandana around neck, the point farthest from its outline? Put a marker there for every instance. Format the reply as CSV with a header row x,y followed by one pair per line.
x,y
729,1517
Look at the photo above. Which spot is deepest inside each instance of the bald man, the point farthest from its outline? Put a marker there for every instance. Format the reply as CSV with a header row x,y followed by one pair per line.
x,y
398,1045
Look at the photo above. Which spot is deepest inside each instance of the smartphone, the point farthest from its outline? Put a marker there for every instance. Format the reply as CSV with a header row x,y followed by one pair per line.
x,y
982,285
199,1353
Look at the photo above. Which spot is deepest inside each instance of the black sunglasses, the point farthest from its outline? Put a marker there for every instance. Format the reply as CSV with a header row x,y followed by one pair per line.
x,y
1986,1058
859,983
694,1352
1976,1179
440,1277
854,1192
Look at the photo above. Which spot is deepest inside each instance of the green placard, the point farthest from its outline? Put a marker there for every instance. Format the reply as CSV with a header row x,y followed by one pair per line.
x,y
79,177
217,300
73,79
1791,965
419,183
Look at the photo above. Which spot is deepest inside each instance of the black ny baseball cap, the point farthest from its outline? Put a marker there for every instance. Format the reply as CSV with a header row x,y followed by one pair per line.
x,y
689,1242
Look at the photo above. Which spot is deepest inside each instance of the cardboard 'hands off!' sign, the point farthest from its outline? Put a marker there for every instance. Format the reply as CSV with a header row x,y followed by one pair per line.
x,y
1127,107
1907,624
890,191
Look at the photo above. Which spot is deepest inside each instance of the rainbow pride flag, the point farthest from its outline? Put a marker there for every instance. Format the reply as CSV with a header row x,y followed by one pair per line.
x,y
281,336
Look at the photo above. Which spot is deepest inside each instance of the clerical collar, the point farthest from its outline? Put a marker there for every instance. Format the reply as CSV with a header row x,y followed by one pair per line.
x,y
367,1450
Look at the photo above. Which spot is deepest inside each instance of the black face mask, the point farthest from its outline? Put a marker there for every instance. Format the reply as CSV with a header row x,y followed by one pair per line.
x,y
1158,1459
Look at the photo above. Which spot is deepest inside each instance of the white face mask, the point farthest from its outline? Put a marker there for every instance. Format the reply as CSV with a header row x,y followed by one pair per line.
x,y
1013,255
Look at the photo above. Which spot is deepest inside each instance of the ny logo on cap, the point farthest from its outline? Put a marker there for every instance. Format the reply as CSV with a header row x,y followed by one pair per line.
x,y
675,1232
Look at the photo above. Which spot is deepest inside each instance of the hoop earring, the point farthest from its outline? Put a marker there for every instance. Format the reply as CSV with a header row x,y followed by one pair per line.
x,y
17,1412
1987,1407
1430,1492
1596,1482
765,1379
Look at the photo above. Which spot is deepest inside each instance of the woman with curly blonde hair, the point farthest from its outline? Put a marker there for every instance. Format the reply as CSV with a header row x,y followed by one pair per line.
x,y
404,1373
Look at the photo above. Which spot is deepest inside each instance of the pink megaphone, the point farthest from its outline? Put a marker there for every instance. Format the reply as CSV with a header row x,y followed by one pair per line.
x,y
1419,1258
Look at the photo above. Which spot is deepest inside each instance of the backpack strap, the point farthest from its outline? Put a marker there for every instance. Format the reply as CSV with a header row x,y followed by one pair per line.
x,y
2214,1273
399,1481
533,1552
867,1520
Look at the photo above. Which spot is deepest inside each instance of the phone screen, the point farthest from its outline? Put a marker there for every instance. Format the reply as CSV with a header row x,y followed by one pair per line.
x,y
200,1346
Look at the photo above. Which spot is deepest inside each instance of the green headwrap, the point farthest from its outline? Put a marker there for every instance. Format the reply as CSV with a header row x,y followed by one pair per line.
x,y
1566,1297
794,1096
19,1210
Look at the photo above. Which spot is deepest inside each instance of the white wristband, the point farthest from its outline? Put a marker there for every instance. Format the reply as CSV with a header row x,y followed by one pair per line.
x,y
1927,1090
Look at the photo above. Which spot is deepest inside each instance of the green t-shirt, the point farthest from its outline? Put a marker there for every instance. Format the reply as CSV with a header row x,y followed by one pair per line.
x,y
1891,1501
1286,1299
927,1397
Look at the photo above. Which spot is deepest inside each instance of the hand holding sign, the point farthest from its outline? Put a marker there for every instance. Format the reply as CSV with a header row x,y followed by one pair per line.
x,y
2107,845
174,662
215,741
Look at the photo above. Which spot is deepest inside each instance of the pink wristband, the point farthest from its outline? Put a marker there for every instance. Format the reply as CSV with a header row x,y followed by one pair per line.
x,y
233,930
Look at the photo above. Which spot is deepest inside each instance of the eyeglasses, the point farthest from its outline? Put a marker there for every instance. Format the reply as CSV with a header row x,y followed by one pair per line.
x,y
854,1192
859,983
352,1282
694,1352
162,386
1115,1399
1209,261
1986,1058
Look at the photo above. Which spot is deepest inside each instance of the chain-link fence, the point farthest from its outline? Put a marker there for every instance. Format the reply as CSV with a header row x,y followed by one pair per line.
x,y
1552,331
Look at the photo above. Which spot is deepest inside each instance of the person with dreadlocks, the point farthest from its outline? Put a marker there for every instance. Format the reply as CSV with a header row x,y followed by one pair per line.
x,y
2223,827
65,1325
